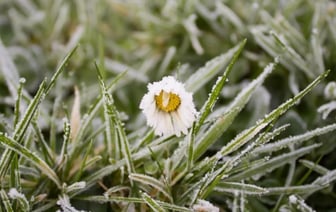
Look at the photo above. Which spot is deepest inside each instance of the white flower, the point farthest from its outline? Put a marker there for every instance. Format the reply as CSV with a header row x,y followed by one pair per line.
x,y
204,206
168,107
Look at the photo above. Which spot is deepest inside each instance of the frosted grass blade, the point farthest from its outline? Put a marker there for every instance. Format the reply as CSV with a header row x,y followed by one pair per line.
x,y
248,134
148,180
152,203
315,167
225,120
5,201
273,163
211,69
298,202
38,162
60,69
21,128
233,187
118,125
164,205
217,88
303,189
297,139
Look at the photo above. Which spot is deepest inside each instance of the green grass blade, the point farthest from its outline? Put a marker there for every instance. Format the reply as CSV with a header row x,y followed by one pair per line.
x,y
302,189
211,69
47,152
273,163
315,167
151,181
5,201
213,96
225,120
60,69
21,198
248,134
66,139
18,102
164,205
152,203
297,139
38,162
118,125
233,187
326,179
21,128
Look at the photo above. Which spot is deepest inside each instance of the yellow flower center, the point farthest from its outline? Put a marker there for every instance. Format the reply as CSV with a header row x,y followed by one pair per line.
x,y
167,101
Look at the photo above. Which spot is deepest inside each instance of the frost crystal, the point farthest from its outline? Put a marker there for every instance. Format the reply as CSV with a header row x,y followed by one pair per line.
x,y
65,205
14,194
204,206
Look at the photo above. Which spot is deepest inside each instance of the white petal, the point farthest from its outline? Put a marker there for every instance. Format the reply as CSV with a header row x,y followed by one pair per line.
x,y
168,123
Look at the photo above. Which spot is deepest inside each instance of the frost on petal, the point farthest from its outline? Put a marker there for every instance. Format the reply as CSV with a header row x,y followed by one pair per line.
x,y
168,107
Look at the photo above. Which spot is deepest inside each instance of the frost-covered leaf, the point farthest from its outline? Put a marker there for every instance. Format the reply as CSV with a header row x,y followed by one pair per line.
x,y
273,163
233,187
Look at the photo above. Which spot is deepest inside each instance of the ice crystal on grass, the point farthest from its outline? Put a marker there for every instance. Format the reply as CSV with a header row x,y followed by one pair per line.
x,y
204,206
14,194
108,159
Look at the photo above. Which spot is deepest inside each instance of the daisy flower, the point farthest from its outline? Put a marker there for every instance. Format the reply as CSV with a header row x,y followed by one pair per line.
x,y
168,107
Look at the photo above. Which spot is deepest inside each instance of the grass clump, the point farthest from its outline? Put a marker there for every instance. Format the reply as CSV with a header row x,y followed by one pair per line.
x,y
73,74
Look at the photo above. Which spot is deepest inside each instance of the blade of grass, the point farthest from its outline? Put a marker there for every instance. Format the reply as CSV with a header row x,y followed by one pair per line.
x,y
273,163
5,201
118,125
248,134
21,128
164,205
60,70
148,180
233,187
38,162
217,88
152,203
224,121
211,69
297,139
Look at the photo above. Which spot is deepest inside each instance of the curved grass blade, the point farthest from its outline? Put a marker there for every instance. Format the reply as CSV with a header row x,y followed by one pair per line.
x,y
38,162
21,128
148,180
152,203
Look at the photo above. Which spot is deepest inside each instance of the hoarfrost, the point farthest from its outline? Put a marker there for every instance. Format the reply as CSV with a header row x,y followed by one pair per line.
x,y
14,194
204,206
